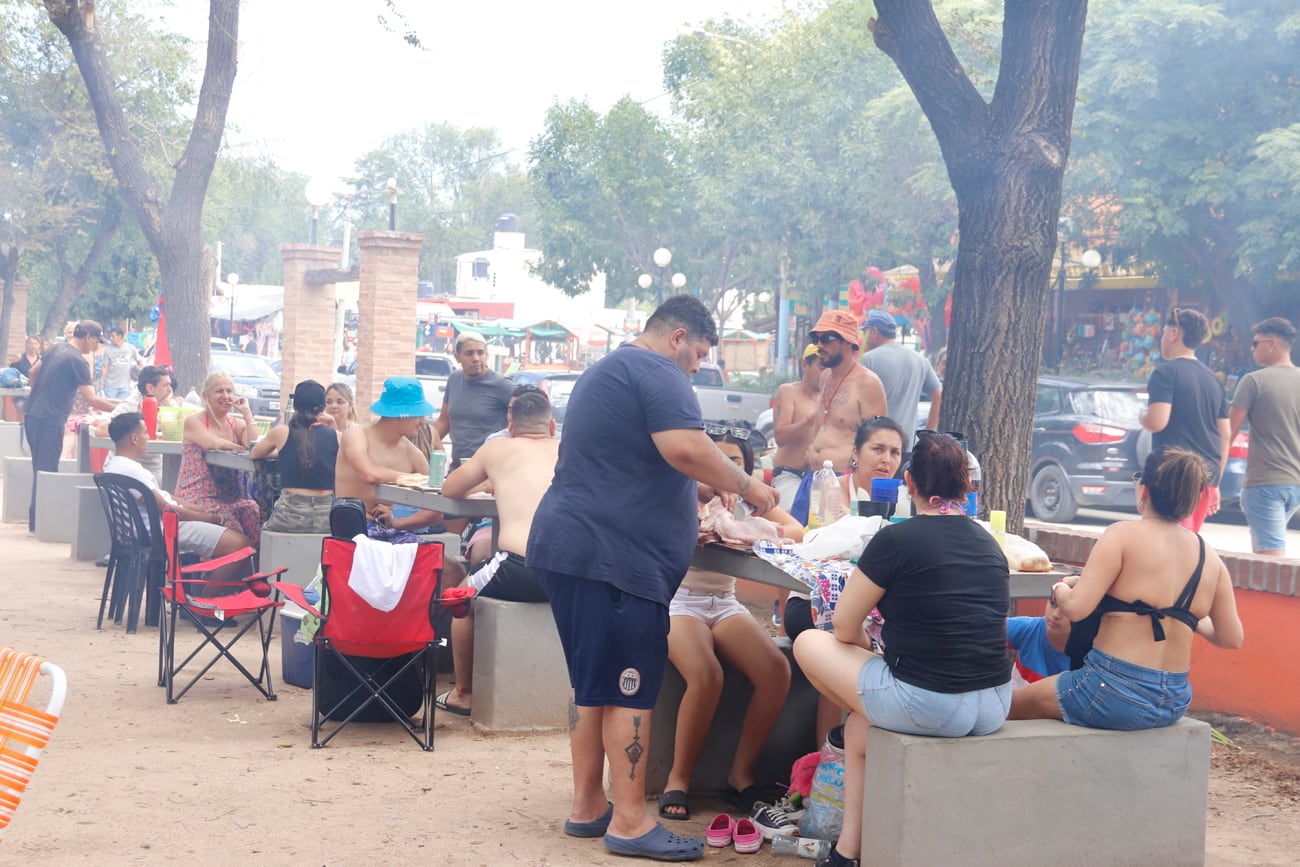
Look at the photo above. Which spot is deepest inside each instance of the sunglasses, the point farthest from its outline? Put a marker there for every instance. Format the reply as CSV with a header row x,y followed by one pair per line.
x,y
721,430
826,337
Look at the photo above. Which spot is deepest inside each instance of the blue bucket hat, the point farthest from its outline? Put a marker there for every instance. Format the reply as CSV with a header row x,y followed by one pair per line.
x,y
403,397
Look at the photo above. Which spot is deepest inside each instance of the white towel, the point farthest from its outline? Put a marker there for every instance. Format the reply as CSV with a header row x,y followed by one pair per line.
x,y
380,571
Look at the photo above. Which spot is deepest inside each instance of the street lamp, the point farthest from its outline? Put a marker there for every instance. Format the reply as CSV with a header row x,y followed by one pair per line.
x,y
392,204
1090,259
662,258
318,195
232,280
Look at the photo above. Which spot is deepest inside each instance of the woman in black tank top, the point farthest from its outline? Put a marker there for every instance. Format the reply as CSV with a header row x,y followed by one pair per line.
x,y
307,448
1114,690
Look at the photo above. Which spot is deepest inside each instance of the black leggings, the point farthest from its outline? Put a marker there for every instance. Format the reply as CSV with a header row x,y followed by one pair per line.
x,y
45,441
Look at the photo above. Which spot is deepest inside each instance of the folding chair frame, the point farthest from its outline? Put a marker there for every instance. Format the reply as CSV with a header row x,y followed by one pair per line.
x,y
176,598
425,652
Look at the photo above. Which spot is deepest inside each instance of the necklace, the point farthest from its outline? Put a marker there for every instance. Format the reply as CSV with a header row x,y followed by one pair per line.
x,y
826,403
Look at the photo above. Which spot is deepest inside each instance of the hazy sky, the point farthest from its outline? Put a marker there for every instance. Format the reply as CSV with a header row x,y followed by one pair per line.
x,y
320,84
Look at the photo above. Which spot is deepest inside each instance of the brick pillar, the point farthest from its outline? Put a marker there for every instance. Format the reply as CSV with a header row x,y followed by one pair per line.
x,y
17,337
390,278
308,336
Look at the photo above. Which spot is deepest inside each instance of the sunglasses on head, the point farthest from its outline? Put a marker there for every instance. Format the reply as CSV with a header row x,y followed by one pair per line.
x,y
722,430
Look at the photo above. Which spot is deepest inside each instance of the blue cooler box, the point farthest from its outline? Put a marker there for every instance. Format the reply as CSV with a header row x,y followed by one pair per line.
x,y
297,660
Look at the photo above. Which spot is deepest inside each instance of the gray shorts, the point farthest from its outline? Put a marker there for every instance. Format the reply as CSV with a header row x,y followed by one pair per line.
x,y
199,537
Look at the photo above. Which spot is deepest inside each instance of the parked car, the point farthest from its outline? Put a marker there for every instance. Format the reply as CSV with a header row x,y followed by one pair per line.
x,y
559,386
254,379
1085,446
732,406
1234,474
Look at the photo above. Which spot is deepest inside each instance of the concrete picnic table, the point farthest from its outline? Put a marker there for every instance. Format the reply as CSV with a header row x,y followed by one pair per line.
x,y
169,449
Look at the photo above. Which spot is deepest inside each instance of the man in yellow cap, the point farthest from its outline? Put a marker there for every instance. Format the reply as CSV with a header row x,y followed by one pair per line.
x,y
849,392
794,418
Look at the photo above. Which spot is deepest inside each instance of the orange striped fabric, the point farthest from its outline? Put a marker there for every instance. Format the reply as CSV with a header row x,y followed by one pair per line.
x,y
24,730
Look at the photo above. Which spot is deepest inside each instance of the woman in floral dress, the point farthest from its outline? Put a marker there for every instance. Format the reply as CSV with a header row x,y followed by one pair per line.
x,y
217,489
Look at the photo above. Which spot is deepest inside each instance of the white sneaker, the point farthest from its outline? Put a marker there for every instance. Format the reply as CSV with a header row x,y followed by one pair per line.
x,y
771,820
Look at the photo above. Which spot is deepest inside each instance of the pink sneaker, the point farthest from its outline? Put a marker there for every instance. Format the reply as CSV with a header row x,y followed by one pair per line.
x,y
720,831
747,836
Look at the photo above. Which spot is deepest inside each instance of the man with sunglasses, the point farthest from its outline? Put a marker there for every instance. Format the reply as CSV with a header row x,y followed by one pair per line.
x,y
849,392
1270,399
1186,407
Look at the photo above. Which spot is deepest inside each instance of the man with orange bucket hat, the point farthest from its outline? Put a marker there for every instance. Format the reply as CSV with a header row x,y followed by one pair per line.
x,y
849,391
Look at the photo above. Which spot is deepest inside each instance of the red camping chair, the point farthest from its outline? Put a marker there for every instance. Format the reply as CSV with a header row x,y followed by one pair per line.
x,y
250,598
352,634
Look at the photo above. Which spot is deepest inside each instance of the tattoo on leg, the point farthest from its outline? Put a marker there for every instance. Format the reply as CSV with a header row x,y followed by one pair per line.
x,y
573,715
634,750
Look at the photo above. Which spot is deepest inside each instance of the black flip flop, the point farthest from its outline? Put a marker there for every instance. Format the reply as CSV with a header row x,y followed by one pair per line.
x,y
441,704
744,799
674,798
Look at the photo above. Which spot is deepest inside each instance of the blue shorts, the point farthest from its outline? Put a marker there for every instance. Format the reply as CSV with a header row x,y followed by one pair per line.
x,y
912,710
1268,508
615,644
1109,693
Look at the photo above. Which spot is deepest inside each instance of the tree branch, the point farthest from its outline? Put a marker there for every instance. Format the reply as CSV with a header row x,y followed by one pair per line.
x,y
908,32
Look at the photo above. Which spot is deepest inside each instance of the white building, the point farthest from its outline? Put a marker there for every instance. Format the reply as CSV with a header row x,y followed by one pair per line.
x,y
504,273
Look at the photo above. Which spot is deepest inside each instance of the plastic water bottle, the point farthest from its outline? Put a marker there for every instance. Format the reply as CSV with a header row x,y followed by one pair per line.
x,y
805,847
826,500
824,815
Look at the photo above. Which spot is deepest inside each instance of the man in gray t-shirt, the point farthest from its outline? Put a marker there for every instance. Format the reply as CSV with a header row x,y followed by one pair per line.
x,y
906,374
120,358
475,402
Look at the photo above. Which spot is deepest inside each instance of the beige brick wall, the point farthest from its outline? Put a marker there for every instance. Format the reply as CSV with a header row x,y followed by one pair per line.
x,y
385,311
308,336
17,323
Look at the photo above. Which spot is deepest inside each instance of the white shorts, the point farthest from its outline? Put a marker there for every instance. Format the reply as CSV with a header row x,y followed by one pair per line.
x,y
712,608
199,537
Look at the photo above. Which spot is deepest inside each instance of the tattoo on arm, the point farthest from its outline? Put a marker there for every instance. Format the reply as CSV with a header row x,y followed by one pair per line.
x,y
634,750
745,479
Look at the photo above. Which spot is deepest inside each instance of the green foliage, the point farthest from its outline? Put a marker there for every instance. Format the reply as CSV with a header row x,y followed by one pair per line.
x,y
252,207
1184,147
453,185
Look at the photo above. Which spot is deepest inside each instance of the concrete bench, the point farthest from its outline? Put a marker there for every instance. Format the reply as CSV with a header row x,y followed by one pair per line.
x,y
795,733
18,487
521,682
300,552
1038,792
12,444
56,503
90,537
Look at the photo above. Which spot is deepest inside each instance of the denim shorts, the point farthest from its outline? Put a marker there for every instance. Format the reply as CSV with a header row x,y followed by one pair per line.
x,y
912,710
1268,508
1109,693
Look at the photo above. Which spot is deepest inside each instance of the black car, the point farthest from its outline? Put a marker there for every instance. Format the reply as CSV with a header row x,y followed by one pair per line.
x,y
254,379
1085,446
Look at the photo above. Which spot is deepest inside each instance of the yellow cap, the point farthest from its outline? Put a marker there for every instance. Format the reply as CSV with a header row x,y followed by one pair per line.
x,y
810,351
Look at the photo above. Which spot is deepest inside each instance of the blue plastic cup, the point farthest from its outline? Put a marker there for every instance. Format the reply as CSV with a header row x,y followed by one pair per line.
x,y
885,490
973,503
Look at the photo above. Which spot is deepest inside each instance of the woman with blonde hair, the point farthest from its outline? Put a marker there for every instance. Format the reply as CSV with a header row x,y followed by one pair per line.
x,y
1149,587
217,489
340,406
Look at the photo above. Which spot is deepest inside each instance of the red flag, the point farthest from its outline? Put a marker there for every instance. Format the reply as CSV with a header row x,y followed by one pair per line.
x,y
162,353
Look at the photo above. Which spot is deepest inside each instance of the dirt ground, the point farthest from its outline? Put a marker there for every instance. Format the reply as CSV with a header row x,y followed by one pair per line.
x,y
225,777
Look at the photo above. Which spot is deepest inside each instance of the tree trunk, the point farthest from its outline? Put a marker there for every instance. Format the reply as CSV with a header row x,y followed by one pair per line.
x,y
8,274
1005,159
172,229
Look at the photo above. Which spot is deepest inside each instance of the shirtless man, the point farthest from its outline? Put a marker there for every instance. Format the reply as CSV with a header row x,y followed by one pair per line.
x,y
850,392
380,453
794,417
519,468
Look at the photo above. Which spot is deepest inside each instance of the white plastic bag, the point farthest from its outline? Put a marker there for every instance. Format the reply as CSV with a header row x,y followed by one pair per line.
x,y
843,540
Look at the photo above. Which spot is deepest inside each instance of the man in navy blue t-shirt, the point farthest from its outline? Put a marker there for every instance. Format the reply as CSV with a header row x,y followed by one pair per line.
x,y
610,542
